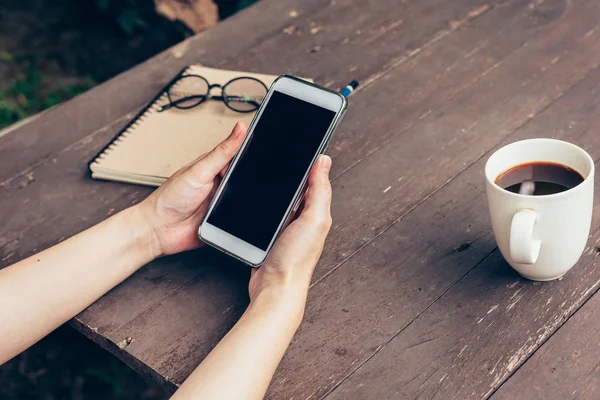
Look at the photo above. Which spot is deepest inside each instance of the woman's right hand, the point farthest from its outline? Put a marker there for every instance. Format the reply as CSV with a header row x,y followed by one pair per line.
x,y
243,363
287,271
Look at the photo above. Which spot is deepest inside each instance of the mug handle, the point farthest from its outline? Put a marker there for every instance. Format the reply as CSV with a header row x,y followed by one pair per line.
x,y
523,248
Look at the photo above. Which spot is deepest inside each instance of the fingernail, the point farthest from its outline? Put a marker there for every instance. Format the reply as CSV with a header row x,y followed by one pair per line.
x,y
237,129
325,162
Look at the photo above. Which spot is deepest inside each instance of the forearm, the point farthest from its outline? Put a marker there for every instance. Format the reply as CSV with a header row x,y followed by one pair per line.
x,y
243,363
43,291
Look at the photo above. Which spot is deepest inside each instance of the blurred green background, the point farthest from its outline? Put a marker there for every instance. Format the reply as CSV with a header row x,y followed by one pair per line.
x,y
50,51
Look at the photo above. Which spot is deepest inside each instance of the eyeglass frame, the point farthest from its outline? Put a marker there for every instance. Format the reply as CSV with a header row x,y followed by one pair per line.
x,y
208,96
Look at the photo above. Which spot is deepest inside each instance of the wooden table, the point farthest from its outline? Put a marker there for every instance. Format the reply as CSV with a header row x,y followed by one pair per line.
x,y
411,298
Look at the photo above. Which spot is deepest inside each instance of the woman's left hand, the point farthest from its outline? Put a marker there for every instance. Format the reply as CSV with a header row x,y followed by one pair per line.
x,y
176,209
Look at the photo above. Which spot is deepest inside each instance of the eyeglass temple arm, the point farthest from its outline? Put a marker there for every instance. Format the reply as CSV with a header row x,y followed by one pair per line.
x,y
203,97
229,98
246,99
182,100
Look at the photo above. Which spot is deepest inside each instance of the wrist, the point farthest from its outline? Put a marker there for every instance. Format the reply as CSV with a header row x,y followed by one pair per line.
x,y
286,301
141,232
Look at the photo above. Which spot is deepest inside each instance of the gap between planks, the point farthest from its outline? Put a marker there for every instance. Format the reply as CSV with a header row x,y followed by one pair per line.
x,y
168,55
84,139
370,82
403,328
543,342
367,82
381,347
395,63
425,198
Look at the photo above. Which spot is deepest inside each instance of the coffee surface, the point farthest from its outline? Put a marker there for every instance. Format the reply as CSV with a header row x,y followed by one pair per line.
x,y
539,178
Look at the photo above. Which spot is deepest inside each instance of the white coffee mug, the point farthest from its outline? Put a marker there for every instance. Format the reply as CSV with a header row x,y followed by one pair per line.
x,y
541,237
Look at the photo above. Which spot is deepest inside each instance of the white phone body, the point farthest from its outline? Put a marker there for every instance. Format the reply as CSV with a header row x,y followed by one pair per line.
x,y
294,87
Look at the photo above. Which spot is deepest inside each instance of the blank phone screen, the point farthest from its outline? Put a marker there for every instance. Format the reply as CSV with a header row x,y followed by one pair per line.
x,y
271,168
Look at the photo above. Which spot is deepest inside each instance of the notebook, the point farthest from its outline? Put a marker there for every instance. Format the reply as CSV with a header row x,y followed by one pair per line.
x,y
156,144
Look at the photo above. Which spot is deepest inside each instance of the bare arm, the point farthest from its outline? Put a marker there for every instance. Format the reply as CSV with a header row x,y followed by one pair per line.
x,y
43,291
243,363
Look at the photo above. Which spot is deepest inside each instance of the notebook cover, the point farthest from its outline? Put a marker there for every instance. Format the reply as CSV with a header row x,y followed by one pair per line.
x,y
156,144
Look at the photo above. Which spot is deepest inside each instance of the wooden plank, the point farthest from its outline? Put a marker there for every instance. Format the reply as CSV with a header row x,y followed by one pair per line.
x,y
36,187
431,152
225,46
78,153
542,95
316,344
437,66
166,346
218,278
165,275
452,356
98,109
566,366
119,306
389,37
466,343
41,201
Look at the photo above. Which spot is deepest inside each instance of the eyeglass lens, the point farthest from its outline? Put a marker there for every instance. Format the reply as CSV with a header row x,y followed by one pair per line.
x,y
244,94
188,92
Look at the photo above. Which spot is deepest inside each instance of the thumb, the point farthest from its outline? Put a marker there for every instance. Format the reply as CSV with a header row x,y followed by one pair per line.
x,y
317,202
217,159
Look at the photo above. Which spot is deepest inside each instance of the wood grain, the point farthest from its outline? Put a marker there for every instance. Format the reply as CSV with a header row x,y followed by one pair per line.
x,y
52,150
431,152
161,341
41,202
465,343
443,83
223,46
432,45
75,156
316,344
445,353
45,200
566,367
97,110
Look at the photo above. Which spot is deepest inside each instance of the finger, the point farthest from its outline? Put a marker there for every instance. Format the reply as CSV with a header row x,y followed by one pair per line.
x,y
317,202
224,171
217,159
300,209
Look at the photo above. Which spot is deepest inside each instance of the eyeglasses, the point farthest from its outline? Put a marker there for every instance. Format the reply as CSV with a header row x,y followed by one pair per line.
x,y
243,94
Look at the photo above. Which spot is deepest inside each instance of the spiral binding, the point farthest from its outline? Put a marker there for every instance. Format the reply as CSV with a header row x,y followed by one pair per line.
x,y
136,122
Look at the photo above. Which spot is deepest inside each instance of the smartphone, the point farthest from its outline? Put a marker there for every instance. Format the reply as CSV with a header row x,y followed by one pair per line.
x,y
266,180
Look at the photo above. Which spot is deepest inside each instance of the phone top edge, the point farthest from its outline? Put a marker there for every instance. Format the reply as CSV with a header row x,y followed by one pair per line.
x,y
342,99
340,110
315,85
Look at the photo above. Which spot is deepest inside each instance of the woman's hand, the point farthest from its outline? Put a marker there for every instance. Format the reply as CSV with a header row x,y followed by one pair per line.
x,y
243,363
287,272
46,290
176,209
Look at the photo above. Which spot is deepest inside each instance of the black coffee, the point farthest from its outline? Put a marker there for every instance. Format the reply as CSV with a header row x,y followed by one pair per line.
x,y
539,178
